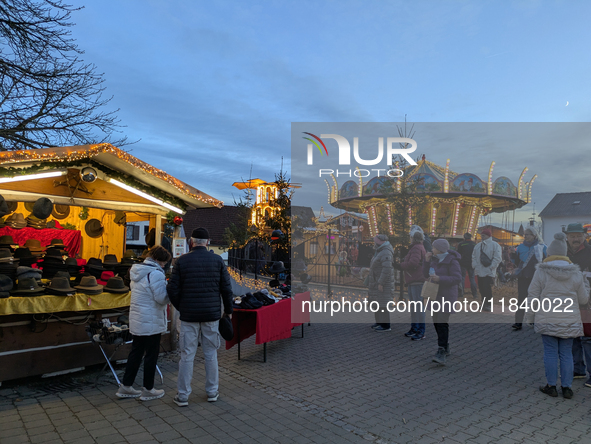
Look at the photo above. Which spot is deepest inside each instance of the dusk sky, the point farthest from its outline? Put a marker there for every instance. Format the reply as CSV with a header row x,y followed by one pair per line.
x,y
213,87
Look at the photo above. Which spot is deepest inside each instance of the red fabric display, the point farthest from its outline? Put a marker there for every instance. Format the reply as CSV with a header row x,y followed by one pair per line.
x,y
270,322
71,238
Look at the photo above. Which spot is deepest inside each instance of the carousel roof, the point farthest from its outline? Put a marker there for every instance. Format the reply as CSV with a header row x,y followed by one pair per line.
x,y
498,195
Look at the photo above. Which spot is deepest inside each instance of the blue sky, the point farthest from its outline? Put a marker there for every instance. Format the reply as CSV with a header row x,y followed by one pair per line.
x,y
212,87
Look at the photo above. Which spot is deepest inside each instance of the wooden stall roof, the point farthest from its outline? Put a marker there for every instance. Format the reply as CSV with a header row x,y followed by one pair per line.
x,y
115,159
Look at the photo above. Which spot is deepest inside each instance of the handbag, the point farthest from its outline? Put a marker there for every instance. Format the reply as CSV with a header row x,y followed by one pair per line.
x,y
226,328
586,318
429,290
484,259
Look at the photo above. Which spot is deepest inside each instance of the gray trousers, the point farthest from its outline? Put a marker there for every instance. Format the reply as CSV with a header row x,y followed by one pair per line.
x,y
191,334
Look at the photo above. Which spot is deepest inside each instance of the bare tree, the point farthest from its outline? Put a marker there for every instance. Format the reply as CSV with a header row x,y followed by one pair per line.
x,y
48,95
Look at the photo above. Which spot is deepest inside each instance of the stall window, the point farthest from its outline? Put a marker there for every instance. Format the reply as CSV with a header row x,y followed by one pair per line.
x,y
132,233
146,229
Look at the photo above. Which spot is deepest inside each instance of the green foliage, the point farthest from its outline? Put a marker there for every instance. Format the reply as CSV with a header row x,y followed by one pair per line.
x,y
238,234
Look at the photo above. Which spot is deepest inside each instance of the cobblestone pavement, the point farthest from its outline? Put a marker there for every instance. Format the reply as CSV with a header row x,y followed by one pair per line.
x,y
341,383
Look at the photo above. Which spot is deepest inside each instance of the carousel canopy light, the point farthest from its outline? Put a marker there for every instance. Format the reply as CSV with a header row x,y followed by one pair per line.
x,y
32,176
146,196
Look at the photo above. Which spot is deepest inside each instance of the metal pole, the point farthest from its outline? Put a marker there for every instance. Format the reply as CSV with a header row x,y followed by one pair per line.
x,y
256,258
329,294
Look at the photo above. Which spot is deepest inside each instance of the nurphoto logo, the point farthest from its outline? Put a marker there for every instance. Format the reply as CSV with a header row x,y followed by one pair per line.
x,y
405,146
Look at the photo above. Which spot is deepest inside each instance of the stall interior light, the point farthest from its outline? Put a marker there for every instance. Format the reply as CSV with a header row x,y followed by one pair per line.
x,y
32,176
146,196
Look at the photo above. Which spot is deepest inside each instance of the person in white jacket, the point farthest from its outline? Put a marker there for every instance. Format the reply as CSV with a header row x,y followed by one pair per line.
x,y
147,322
486,257
556,291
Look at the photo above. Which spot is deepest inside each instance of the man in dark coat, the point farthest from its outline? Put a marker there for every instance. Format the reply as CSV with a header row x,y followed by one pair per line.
x,y
199,284
579,252
466,248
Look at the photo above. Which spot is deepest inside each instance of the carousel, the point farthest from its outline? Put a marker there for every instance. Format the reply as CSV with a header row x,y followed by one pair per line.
x,y
456,201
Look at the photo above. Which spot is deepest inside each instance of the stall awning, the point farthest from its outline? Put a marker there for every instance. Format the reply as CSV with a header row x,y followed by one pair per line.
x,y
117,171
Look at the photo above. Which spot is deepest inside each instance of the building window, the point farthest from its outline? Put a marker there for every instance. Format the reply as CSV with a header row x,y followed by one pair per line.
x,y
146,229
132,233
313,248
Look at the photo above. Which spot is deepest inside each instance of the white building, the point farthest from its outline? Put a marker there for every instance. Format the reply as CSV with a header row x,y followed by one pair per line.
x,y
564,209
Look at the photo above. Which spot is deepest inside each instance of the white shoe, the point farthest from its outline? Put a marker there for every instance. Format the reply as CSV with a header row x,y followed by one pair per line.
x,y
213,398
148,395
127,392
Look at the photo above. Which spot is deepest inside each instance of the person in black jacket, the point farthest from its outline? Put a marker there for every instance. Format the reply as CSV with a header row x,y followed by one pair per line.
x,y
197,281
465,248
579,252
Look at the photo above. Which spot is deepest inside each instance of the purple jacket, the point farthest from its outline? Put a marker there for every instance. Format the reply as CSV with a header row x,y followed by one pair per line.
x,y
413,264
449,274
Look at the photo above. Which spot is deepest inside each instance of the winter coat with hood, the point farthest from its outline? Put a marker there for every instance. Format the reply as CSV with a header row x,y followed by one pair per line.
x,y
561,283
449,273
147,312
413,264
381,270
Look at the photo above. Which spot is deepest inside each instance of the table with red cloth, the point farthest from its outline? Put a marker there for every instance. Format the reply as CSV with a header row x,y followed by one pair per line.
x,y
71,238
269,323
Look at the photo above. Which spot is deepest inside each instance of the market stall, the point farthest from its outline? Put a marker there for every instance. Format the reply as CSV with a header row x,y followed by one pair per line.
x,y
87,194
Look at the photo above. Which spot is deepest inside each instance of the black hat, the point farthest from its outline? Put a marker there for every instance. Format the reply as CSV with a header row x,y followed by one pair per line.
x,y
6,283
277,267
28,272
53,252
94,228
116,285
226,328
28,287
6,255
63,274
110,259
95,263
60,286
42,208
6,241
200,233
3,207
58,243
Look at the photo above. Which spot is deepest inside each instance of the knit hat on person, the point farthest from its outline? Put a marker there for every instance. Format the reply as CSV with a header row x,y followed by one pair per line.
x,y
441,244
558,246
486,232
200,233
